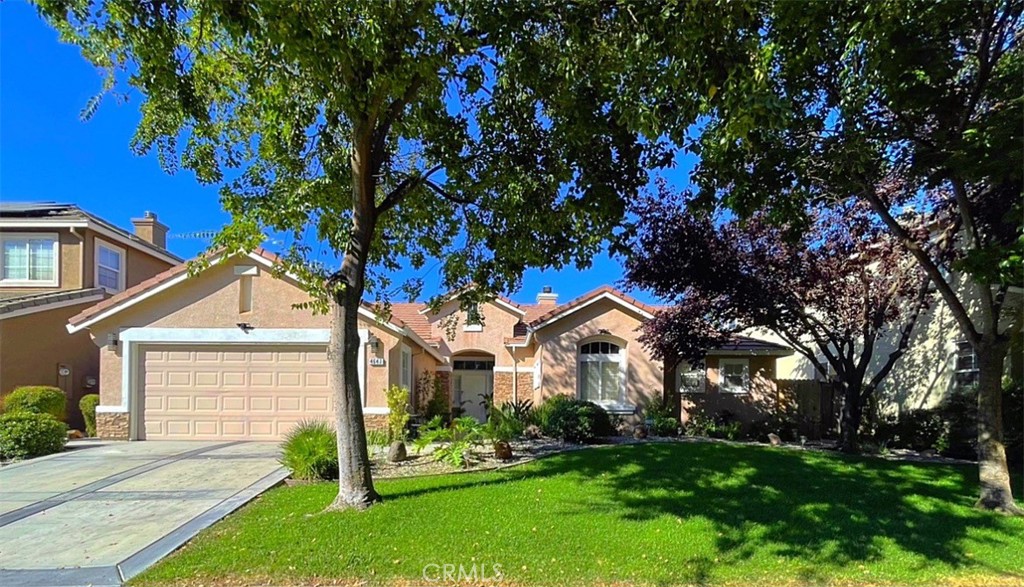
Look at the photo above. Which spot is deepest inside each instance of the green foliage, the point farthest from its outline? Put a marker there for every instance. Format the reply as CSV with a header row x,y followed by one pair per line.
x,y
574,420
455,442
310,451
88,405
25,434
521,410
1013,423
37,399
504,423
433,396
717,427
398,414
662,416
377,437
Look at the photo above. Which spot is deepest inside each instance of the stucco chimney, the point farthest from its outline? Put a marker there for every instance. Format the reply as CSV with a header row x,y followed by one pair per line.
x,y
546,297
149,229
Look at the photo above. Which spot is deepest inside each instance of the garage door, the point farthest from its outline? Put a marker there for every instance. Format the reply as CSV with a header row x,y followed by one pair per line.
x,y
232,392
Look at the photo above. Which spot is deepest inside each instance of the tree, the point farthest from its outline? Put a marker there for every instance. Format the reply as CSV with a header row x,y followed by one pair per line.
x,y
832,291
839,97
490,136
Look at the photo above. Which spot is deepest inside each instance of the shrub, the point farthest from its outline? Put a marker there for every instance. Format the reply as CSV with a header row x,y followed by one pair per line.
x,y
377,437
503,424
522,411
398,413
88,405
456,442
37,399
24,435
663,422
542,413
310,451
916,429
432,397
575,420
1013,422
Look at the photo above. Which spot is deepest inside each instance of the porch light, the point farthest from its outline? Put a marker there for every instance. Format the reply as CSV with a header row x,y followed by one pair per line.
x,y
245,327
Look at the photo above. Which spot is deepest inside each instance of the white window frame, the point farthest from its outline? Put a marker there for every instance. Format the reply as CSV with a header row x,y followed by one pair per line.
x,y
722,387
122,254
620,404
684,366
27,236
957,372
404,367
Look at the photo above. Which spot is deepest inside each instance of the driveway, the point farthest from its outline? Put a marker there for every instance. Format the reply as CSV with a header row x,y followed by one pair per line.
x,y
102,513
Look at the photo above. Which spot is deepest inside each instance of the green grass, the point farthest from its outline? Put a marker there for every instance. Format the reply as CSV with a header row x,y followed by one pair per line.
x,y
652,514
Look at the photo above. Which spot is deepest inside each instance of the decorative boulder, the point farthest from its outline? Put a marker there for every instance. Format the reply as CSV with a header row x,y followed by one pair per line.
x,y
532,432
396,452
502,450
624,428
774,439
640,432
75,434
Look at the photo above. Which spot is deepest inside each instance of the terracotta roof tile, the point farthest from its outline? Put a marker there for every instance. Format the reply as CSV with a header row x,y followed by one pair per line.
x,y
409,313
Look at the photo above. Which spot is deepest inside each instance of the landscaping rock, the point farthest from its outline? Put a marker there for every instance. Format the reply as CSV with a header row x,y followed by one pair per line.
x,y
640,432
774,439
532,432
75,434
502,450
397,452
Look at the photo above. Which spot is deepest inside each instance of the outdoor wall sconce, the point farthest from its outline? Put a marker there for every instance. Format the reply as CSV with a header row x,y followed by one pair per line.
x,y
112,340
373,342
245,327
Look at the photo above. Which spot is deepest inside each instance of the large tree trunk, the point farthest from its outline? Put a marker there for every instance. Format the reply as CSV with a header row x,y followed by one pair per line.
x,y
994,476
355,484
850,418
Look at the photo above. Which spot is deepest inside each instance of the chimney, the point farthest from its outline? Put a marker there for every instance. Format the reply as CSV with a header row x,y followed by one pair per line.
x,y
149,229
546,297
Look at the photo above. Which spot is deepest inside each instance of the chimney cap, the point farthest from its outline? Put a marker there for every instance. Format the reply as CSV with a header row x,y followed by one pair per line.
x,y
546,289
149,214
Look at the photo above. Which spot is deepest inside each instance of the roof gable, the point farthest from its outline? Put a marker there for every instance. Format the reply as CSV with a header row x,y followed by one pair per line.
x,y
602,293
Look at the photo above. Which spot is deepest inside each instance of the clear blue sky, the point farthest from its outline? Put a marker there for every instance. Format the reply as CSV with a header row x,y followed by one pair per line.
x,y
48,154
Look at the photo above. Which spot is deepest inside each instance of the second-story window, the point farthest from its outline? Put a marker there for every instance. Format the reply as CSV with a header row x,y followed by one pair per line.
x,y
29,259
109,266
474,323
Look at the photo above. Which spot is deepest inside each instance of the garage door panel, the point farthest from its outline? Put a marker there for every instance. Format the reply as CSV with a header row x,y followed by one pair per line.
x,y
233,392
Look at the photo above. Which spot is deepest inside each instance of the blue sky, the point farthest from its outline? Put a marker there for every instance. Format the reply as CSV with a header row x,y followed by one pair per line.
x,y
48,154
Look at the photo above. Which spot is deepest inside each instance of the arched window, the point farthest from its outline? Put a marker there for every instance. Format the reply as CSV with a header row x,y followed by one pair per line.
x,y
602,374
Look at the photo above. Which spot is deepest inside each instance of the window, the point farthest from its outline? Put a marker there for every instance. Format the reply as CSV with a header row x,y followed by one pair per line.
x,y
966,366
734,375
29,259
602,373
109,266
405,374
474,323
472,365
690,379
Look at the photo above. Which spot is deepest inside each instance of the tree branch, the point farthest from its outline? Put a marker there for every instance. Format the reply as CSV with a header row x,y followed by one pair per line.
x,y
404,187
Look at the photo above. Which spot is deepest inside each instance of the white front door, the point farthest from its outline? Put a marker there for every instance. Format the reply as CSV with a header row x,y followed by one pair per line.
x,y
472,390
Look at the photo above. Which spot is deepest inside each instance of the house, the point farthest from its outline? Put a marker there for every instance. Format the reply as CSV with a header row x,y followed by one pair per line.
x,y
225,353
57,260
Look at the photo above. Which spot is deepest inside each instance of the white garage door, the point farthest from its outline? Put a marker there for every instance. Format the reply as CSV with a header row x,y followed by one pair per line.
x,y
232,392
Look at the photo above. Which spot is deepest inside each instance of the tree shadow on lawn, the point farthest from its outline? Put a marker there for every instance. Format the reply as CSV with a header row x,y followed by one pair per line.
x,y
828,510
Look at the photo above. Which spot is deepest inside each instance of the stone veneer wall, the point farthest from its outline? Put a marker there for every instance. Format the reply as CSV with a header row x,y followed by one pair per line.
x,y
503,387
112,425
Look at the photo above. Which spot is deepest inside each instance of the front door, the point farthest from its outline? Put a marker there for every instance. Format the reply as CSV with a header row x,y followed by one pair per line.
x,y
473,390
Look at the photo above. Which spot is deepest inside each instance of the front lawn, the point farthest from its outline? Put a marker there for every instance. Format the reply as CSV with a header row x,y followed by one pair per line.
x,y
649,514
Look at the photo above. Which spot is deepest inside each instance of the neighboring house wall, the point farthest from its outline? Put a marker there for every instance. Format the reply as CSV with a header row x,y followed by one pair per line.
x,y
34,347
925,375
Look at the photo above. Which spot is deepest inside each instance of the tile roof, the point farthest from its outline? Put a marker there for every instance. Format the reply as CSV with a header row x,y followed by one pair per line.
x,y
409,314
746,343
20,302
604,289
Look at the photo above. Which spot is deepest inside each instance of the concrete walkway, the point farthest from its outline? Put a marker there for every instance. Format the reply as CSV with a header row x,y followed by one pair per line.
x,y
102,514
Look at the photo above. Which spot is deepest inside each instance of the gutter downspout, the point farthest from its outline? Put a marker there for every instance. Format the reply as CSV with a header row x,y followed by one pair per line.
x,y
81,257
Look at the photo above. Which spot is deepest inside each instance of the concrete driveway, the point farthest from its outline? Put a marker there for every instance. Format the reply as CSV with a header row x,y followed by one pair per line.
x,y
102,513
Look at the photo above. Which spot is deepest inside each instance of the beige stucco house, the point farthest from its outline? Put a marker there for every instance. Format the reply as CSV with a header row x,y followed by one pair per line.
x,y
57,260
224,353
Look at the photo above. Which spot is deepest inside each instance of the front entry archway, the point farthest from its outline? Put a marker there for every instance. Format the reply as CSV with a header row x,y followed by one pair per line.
x,y
473,383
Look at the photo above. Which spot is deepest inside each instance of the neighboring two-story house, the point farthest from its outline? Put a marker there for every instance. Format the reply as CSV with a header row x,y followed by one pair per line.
x,y
55,261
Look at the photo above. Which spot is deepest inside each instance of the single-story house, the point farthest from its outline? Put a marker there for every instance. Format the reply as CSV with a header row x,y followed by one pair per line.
x,y
226,354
